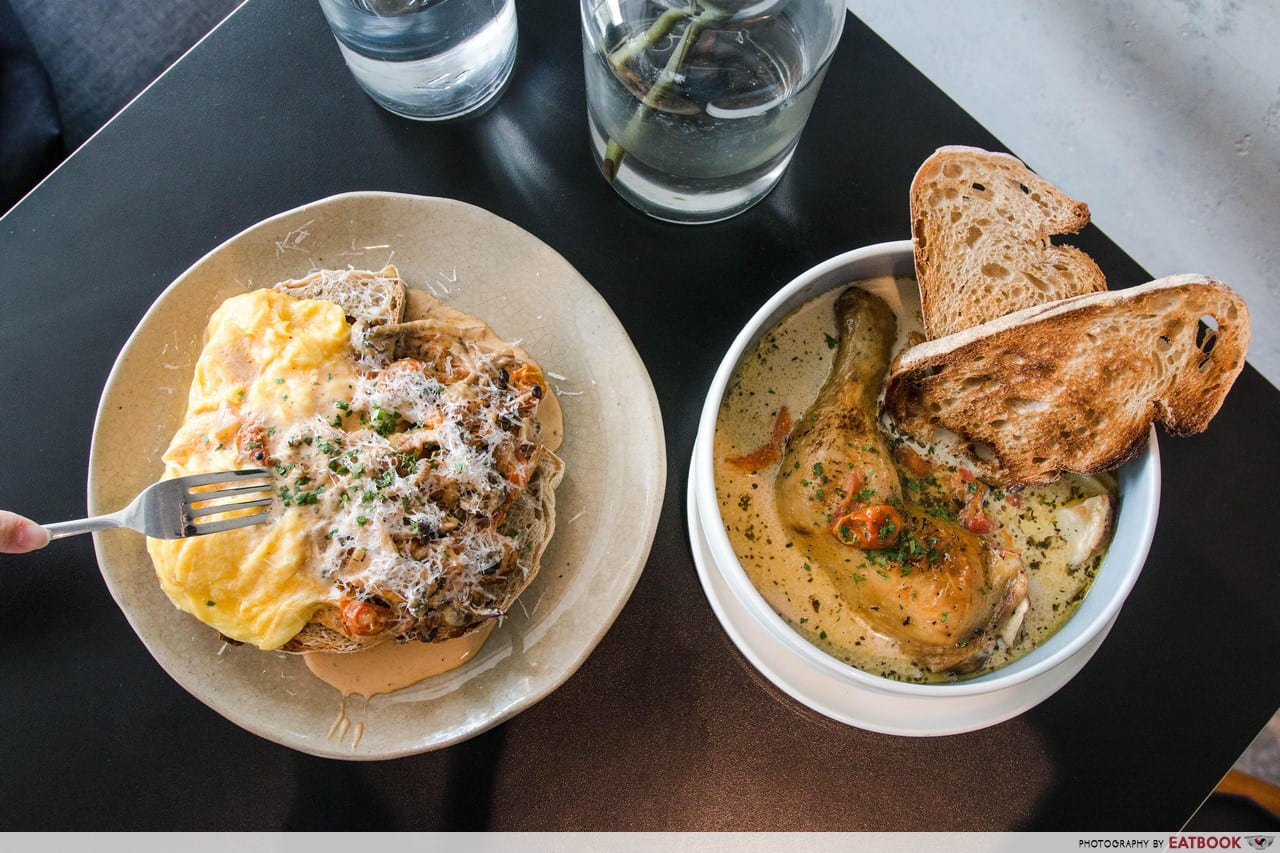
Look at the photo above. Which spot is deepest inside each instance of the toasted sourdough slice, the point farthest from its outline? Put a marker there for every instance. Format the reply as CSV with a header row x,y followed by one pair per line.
x,y
980,227
1075,385
368,299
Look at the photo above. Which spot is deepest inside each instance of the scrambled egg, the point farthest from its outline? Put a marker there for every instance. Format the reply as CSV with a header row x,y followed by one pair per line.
x,y
268,359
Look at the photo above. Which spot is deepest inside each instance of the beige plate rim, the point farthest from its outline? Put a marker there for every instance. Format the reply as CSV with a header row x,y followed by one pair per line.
x,y
482,264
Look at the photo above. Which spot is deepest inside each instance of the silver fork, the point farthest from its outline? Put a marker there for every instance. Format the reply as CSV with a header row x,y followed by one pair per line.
x,y
173,509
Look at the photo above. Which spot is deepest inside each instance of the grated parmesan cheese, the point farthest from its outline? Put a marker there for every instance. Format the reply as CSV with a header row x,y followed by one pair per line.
x,y
421,484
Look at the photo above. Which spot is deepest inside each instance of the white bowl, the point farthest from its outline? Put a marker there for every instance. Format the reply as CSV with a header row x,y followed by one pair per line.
x,y
1070,647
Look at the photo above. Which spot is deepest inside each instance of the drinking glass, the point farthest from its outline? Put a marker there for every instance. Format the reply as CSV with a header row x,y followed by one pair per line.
x,y
695,108
427,59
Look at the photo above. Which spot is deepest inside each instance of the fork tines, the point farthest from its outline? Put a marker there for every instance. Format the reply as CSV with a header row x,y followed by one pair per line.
x,y
225,492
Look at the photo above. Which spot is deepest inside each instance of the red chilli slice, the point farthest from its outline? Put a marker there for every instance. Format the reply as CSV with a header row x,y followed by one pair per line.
x,y
768,452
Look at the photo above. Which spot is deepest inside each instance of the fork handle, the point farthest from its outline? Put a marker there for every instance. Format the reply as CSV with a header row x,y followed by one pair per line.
x,y
59,529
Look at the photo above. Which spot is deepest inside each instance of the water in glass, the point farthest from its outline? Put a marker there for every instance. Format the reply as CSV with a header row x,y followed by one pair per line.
x,y
427,59
695,109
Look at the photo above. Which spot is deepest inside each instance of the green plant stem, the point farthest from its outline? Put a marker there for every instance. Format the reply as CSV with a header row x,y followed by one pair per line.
x,y
614,152
657,31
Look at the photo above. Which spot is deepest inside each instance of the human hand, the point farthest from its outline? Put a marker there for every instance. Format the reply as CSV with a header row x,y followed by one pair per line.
x,y
19,535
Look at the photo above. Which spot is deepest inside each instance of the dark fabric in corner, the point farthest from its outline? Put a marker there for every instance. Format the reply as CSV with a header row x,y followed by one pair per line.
x,y
30,133
100,55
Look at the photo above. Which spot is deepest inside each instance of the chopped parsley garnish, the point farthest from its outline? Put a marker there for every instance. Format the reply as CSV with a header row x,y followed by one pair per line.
x,y
299,496
942,512
384,422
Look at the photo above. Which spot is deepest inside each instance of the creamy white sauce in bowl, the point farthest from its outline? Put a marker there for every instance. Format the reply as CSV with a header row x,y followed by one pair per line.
x,y
1137,487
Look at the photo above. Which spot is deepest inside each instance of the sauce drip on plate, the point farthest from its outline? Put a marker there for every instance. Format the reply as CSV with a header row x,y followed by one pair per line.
x,y
392,666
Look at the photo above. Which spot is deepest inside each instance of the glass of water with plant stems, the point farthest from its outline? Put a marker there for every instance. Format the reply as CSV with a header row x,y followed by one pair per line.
x,y
695,107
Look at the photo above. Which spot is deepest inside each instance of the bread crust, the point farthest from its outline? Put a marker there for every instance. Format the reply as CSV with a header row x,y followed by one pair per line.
x,y
1075,385
369,300
981,224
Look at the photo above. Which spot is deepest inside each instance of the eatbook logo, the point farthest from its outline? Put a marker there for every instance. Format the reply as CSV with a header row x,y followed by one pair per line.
x,y
1260,842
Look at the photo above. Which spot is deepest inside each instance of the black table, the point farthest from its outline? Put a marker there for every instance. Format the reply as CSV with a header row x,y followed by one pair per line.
x,y
665,726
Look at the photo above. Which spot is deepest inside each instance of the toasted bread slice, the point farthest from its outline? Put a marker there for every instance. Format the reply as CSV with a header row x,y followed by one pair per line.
x,y
368,299
1075,385
323,633
980,227
373,298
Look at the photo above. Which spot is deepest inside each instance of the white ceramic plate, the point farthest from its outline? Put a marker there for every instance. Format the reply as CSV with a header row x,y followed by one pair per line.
x,y
852,704
480,264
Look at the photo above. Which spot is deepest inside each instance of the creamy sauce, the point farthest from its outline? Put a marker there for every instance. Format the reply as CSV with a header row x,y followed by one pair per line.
x,y
786,368
342,725
391,666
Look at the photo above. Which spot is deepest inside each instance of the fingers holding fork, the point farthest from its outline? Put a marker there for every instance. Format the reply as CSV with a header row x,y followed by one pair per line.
x,y
18,534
